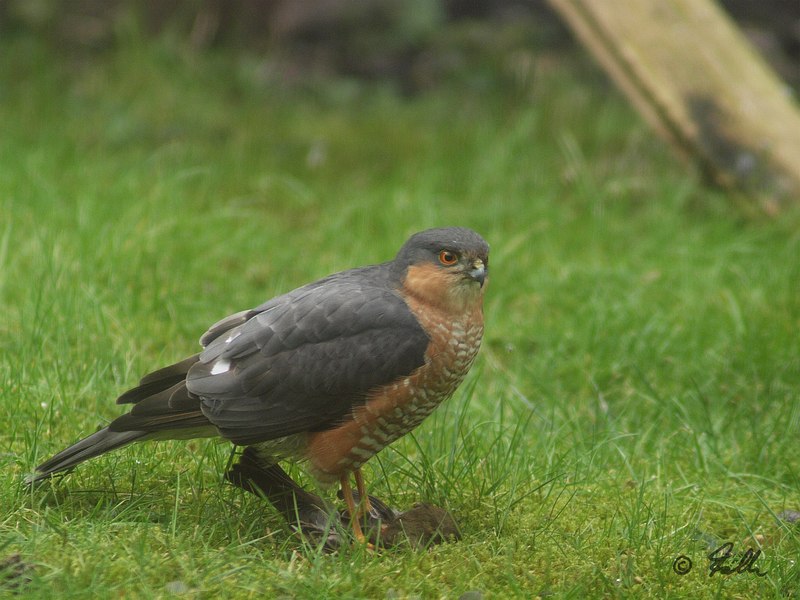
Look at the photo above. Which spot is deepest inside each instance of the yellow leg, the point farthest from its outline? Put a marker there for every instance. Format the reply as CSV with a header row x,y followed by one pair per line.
x,y
364,504
355,519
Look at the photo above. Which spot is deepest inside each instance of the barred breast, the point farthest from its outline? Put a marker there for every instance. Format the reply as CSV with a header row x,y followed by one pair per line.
x,y
395,409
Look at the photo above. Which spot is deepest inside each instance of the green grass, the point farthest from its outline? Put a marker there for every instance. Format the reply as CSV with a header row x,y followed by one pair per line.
x,y
636,398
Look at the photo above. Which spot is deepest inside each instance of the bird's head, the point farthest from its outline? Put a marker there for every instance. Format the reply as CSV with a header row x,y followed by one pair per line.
x,y
447,266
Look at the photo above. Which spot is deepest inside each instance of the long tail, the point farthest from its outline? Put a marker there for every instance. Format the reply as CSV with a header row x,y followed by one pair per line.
x,y
96,444
162,409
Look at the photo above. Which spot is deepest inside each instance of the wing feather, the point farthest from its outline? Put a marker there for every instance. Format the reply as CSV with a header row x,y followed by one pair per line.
x,y
303,360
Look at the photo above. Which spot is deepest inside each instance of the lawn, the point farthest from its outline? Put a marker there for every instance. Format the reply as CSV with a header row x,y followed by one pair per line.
x,y
637,396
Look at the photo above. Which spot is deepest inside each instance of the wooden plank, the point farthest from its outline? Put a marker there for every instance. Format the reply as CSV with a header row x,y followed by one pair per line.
x,y
695,78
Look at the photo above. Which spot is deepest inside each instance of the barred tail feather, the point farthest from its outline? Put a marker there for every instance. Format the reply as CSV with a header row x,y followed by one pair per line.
x,y
96,444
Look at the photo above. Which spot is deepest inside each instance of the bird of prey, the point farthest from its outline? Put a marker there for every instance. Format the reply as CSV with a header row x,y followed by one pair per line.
x,y
328,374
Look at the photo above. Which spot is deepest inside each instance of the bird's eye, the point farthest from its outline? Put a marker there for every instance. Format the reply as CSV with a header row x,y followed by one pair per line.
x,y
448,258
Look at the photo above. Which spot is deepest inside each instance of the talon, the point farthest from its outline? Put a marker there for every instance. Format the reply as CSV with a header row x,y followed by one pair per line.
x,y
347,493
363,498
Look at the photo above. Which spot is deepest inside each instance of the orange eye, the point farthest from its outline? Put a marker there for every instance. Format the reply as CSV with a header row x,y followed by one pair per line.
x,y
448,258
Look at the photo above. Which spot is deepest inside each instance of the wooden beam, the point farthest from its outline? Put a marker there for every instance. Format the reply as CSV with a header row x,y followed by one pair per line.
x,y
695,78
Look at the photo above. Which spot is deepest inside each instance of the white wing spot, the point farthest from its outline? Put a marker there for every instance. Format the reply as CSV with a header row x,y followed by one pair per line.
x,y
221,366
232,337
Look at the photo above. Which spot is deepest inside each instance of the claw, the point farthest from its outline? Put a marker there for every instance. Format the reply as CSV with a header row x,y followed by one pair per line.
x,y
352,510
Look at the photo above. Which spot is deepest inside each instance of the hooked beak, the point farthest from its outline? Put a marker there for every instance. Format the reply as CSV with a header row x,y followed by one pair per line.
x,y
478,272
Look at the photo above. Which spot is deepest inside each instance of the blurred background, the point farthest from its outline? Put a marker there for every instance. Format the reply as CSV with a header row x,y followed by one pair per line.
x,y
415,44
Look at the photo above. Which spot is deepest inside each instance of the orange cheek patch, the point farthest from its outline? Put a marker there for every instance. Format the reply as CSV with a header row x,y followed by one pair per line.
x,y
429,283
441,289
